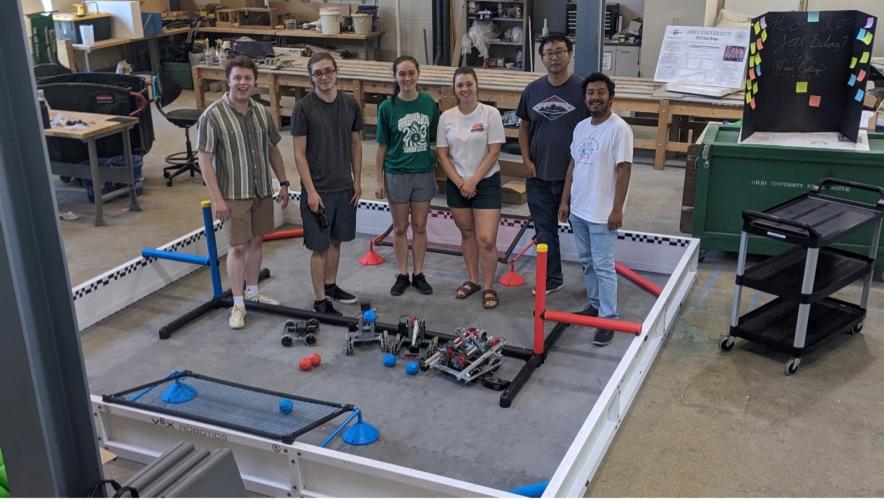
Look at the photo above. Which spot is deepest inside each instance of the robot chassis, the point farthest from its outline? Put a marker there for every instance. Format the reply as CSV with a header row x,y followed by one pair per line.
x,y
472,356
364,330
304,331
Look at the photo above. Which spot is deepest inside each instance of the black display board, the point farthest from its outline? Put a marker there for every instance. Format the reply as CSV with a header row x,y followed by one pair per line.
x,y
807,72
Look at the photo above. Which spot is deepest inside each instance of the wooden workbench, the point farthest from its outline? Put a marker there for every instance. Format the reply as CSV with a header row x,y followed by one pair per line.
x,y
500,87
283,36
116,42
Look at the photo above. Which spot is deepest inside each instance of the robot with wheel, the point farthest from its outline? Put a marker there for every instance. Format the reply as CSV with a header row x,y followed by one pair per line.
x,y
304,331
472,356
411,335
364,331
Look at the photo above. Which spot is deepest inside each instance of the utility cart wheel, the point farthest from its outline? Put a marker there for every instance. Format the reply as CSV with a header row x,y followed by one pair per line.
x,y
169,183
726,343
792,366
856,329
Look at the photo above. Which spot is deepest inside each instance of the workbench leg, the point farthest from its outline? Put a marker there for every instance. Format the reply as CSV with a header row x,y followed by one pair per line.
x,y
662,135
97,185
274,101
153,50
127,152
199,96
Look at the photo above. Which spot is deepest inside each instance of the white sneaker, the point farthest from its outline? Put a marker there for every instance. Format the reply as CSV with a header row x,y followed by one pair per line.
x,y
237,317
263,299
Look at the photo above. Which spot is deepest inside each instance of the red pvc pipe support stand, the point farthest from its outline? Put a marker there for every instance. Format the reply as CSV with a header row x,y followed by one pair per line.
x,y
286,233
638,279
540,297
590,321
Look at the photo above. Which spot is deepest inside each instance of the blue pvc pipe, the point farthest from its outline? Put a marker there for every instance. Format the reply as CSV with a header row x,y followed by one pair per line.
x,y
357,413
531,490
212,248
179,257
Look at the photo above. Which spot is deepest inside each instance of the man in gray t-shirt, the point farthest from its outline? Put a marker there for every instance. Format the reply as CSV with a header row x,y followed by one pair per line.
x,y
549,109
327,130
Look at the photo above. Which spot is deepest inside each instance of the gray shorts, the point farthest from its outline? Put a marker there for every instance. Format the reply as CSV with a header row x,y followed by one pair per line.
x,y
340,215
405,188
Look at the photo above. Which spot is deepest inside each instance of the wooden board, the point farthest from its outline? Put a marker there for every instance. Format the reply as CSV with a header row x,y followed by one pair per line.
x,y
97,125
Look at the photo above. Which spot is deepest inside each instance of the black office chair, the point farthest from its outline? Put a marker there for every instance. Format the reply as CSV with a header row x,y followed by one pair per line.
x,y
185,161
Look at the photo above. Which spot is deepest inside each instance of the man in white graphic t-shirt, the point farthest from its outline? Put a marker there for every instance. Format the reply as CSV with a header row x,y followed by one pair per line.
x,y
594,196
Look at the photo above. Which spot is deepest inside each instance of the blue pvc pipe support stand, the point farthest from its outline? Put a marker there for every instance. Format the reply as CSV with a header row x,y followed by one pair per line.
x,y
211,247
531,490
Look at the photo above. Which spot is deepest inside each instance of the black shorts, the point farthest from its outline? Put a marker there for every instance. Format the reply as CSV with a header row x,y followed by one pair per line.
x,y
487,194
341,216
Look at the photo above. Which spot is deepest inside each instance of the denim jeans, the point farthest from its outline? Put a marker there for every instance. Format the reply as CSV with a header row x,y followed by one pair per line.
x,y
595,245
543,203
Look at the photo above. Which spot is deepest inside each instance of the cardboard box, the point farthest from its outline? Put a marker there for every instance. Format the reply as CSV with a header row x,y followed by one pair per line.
x,y
154,5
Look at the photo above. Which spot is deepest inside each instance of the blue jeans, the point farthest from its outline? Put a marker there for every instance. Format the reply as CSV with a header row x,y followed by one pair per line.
x,y
543,203
595,244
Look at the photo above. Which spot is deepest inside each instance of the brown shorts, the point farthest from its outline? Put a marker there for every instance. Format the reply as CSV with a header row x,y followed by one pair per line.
x,y
248,218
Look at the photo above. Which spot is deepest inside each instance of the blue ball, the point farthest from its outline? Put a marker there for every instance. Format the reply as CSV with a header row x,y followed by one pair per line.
x,y
285,406
389,360
412,368
370,316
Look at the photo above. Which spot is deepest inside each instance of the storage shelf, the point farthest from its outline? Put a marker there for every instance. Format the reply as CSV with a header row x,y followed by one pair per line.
x,y
503,42
773,324
782,274
512,19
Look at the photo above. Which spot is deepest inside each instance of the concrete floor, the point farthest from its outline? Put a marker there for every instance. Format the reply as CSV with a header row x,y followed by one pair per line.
x,y
705,423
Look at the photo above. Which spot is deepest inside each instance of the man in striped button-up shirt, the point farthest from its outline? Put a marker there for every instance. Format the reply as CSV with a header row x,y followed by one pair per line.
x,y
237,143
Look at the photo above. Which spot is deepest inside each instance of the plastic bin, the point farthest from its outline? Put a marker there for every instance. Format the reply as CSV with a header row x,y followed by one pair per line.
x,y
115,162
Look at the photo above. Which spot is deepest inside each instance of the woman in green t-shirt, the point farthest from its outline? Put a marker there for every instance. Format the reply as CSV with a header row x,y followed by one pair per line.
x,y
405,168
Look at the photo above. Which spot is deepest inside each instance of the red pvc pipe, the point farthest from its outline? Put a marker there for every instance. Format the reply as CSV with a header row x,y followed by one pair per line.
x,y
283,234
638,279
607,324
539,297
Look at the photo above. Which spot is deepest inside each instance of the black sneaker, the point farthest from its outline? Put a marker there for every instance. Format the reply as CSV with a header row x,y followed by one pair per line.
x,y
550,288
325,307
334,292
603,337
420,282
589,311
401,284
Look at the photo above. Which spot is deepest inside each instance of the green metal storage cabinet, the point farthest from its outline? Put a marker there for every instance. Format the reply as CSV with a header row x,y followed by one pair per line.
x,y
733,177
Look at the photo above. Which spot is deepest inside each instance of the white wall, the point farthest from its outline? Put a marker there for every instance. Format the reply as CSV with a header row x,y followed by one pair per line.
x,y
658,15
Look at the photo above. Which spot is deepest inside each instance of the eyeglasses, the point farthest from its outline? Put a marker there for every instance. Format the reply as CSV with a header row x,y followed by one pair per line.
x,y
320,74
556,53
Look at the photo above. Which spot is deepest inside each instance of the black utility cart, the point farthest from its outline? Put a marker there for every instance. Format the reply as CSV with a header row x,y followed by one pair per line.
x,y
804,277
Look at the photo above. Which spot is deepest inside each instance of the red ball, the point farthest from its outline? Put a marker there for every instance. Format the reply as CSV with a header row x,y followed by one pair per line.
x,y
305,364
315,359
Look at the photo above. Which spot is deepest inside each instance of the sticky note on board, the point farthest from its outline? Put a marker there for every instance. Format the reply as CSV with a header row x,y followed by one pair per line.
x,y
865,58
748,85
748,97
759,42
814,101
861,34
751,74
756,27
758,70
859,95
764,22
813,16
852,80
800,87
764,35
752,50
755,88
868,38
852,62
861,75
752,103
869,23
757,59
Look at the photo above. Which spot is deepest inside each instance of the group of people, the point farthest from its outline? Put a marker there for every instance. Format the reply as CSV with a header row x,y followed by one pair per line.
x,y
578,154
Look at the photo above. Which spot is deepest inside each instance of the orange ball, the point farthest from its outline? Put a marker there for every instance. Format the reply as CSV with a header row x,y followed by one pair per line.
x,y
305,364
315,359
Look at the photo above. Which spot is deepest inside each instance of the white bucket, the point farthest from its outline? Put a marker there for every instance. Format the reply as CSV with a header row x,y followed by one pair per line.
x,y
362,23
330,20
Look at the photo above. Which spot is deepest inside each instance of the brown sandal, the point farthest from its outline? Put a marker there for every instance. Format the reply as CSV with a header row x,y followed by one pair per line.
x,y
466,289
490,298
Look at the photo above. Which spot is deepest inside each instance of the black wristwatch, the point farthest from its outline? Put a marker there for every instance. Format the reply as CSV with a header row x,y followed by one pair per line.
x,y
285,183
